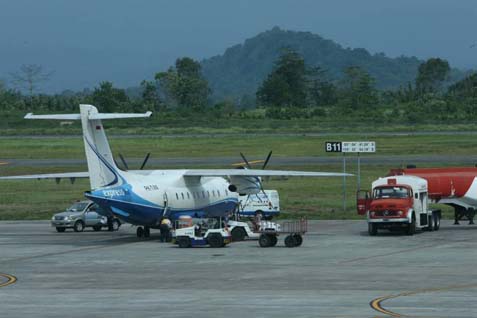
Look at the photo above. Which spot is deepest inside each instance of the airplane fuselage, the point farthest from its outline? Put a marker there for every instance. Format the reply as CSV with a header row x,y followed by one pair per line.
x,y
144,198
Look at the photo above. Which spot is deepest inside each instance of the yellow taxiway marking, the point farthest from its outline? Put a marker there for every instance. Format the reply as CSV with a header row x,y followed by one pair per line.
x,y
376,304
10,279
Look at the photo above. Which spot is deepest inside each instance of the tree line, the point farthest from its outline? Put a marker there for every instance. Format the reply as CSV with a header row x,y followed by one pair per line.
x,y
292,90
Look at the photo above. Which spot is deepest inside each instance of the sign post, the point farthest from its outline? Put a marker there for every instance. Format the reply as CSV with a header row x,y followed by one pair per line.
x,y
352,147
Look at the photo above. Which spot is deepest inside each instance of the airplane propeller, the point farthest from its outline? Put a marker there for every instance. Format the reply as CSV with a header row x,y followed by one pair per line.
x,y
248,165
145,161
125,164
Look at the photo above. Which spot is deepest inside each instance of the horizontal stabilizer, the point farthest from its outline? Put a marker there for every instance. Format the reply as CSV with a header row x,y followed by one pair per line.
x,y
118,115
91,116
58,116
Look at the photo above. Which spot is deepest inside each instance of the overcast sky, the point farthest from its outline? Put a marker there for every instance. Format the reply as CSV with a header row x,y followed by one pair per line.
x,y
87,41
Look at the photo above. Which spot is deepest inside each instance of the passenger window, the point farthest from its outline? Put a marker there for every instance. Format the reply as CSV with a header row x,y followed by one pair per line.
x,y
213,193
226,193
208,194
182,194
177,196
416,195
188,196
203,194
218,193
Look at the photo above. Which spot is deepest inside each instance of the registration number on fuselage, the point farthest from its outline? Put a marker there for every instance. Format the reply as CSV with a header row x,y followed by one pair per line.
x,y
151,187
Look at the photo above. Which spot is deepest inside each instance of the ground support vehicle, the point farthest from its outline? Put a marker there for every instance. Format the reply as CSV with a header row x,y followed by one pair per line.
x,y
398,203
84,214
204,233
294,231
248,230
266,203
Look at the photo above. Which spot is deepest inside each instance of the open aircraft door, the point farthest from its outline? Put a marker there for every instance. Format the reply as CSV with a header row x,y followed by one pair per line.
x,y
363,201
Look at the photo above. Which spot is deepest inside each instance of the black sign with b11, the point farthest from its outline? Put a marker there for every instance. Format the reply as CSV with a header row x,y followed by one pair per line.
x,y
333,146
350,146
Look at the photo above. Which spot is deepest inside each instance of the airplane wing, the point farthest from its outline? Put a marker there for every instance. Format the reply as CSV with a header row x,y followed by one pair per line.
x,y
195,173
259,173
71,175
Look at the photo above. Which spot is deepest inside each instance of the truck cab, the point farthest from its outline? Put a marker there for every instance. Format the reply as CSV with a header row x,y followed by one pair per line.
x,y
398,203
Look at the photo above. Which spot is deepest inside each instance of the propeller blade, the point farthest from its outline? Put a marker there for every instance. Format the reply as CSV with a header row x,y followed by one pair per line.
x,y
252,162
145,161
266,160
246,161
116,163
124,161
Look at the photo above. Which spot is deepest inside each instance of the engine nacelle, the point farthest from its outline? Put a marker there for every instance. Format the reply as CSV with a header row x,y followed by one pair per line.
x,y
245,185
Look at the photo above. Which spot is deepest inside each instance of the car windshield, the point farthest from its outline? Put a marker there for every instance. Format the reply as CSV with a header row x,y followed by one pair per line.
x,y
391,192
78,206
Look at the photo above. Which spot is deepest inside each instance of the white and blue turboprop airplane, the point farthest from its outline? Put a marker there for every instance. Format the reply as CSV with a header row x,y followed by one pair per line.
x,y
143,197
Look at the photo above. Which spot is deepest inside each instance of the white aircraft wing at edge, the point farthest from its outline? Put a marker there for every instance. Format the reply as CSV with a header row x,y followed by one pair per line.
x,y
48,176
195,173
259,173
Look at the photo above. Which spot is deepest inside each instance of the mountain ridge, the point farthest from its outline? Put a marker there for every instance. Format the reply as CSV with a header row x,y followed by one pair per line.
x,y
242,68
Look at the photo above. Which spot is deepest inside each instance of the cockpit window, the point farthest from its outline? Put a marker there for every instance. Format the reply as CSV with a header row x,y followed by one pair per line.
x,y
390,193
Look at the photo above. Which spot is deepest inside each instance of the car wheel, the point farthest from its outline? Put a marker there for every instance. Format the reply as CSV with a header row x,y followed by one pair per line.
x,y
298,239
264,240
430,224
372,229
97,228
79,226
147,232
238,234
273,240
437,222
215,240
183,242
60,229
116,225
411,228
290,241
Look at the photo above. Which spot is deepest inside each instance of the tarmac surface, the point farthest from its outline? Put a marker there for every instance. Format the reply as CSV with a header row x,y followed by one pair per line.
x,y
339,271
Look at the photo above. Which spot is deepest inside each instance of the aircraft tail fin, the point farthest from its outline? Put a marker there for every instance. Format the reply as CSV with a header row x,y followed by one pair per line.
x,y
101,166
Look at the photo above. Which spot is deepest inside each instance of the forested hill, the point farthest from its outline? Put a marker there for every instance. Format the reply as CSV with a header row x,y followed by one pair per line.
x,y
242,68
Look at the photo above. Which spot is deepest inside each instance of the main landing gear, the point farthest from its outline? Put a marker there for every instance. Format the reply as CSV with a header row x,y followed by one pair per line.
x,y
461,213
143,232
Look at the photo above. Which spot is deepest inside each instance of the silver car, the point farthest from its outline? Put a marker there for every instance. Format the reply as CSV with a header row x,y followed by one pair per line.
x,y
81,215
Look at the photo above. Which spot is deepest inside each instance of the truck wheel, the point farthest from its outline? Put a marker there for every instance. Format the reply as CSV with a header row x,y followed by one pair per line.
x,y
97,228
411,228
264,240
215,240
431,223
238,234
298,239
79,226
437,222
372,229
290,241
116,225
273,240
60,229
183,242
